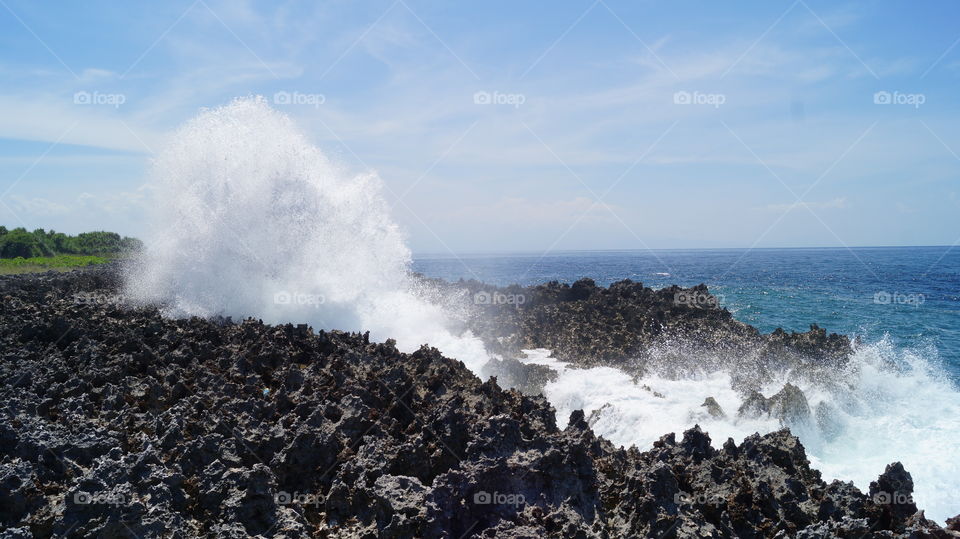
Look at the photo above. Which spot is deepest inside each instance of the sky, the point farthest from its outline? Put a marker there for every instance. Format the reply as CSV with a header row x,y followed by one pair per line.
x,y
506,126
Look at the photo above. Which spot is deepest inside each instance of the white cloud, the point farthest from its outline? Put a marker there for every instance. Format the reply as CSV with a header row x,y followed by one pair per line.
x,y
36,206
540,213
399,99
833,204
115,203
121,202
92,74
51,118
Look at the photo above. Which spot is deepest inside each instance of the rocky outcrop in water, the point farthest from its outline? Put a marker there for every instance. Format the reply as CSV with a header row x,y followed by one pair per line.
x,y
630,326
120,423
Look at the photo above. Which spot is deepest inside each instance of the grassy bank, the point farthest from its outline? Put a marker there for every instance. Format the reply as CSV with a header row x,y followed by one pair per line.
x,y
46,263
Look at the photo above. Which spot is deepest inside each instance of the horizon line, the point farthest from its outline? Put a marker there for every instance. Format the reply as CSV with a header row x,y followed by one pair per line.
x,y
661,249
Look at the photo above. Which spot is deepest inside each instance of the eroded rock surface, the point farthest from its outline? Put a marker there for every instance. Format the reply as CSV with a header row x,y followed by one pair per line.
x,y
120,423
628,325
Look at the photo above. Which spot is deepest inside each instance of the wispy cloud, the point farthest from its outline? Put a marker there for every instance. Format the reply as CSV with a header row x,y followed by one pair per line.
x,y
399,86
834,204
37,206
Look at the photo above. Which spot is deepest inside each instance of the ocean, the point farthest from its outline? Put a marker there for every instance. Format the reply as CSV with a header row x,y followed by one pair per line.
x,y
910,295
897,400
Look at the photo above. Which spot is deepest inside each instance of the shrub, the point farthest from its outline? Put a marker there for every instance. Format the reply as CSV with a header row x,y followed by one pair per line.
x,y
22,244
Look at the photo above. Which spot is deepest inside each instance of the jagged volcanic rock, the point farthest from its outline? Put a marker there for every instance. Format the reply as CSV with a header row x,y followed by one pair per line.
x,y
627,325
120,423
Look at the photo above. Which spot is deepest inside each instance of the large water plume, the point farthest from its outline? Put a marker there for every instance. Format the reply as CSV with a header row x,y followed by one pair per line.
x,y
253,220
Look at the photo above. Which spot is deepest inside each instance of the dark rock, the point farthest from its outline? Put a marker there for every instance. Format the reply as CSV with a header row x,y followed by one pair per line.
x,y
754,405
789,405
627,325
526,378
713,407
141,426
892,497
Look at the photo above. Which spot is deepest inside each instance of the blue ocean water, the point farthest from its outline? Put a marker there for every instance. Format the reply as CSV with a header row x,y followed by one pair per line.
x,y
911,295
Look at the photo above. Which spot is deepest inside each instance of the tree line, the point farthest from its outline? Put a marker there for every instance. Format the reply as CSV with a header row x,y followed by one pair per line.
x,y
20,242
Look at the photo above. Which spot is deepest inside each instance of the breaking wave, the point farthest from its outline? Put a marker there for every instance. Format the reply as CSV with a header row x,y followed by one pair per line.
x,y
253,220
886,404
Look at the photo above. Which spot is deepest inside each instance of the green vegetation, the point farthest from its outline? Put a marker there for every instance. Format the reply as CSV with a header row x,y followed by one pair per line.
x,y
23,251
21,243
44,263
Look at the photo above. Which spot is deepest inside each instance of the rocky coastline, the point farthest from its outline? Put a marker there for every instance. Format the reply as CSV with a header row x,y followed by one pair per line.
x,y
118,422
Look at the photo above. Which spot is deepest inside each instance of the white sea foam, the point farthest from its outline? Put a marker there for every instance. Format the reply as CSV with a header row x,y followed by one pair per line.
x,y
886,405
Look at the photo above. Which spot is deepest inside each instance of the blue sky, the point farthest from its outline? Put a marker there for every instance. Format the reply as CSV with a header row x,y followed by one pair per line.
x,y
500,127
